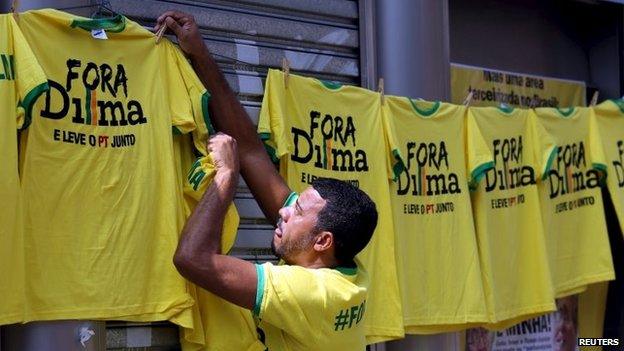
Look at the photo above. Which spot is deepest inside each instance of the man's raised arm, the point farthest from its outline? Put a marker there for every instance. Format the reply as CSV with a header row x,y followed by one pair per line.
x,y
228,116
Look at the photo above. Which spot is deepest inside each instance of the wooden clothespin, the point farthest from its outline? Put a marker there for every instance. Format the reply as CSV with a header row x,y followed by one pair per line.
x,y
286,70
14,9
594,99
468,98
380,89
161,32
533,103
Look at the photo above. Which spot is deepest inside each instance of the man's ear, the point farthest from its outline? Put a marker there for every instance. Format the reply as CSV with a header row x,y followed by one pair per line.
x,y
324,241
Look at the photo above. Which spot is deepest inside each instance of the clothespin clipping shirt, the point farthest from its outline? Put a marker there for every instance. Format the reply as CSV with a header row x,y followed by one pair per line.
x,y
14,9
161,32
286,70
380,88
594,99
468,98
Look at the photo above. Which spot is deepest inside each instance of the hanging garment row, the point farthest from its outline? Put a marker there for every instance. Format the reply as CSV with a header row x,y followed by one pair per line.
x,y
486,214
495,211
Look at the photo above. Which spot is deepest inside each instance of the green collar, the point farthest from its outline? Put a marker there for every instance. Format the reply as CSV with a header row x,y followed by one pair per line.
x,y
566,111
506,108
331,85
114,24
425,112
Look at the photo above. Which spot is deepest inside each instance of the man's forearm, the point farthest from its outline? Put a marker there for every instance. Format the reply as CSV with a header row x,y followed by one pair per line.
x,y
229,116
202,232
198,257
226,112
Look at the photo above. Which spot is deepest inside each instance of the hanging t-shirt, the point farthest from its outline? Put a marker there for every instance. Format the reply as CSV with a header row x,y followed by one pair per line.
x,y
571,203
437,255
217,324
100,191
320,129
507,215
21,81
311,309
610,119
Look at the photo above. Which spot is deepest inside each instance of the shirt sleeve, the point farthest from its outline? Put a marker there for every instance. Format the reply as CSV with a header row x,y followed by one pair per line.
x,y
287,297
395,163
596,151
190,115
544,147
271,120
187,96
30,80
478,156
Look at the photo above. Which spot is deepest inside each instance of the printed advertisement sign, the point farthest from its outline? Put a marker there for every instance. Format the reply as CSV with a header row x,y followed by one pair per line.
x,y
557,331
493,87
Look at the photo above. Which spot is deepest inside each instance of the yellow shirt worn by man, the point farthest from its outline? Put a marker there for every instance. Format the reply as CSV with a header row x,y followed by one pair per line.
x,y
101,196
437,255
21,81
506,208
571,203
311,309
320,129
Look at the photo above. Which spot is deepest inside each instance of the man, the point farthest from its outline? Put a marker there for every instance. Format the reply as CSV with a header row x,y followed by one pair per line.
x,y
317,300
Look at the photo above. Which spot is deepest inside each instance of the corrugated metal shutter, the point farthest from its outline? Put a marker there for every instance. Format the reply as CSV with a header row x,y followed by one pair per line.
x,y
320,38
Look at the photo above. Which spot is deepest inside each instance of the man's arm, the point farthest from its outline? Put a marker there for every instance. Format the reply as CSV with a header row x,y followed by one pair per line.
x,y
198,256
228,116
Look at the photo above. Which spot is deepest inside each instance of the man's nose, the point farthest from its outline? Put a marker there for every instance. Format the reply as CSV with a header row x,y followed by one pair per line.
x,y
284,213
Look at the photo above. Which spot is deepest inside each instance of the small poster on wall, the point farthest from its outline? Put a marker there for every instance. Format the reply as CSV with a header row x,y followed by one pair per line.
x,y
557,331
491,87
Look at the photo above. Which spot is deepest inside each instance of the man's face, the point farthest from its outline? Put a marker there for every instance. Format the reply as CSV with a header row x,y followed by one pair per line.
x,y
295,234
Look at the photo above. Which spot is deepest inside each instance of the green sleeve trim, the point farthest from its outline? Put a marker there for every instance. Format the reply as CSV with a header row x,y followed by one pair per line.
x,y
398,166
292,197
265,137
205,114
549,163
478,173
113,24
29,101
259,290
346,270
600,166
603,170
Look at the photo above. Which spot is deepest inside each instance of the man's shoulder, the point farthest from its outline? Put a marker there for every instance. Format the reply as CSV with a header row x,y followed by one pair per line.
x,y
340,278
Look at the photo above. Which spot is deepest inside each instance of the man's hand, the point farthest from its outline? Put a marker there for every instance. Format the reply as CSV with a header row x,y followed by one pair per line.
x,y
223,150
184,27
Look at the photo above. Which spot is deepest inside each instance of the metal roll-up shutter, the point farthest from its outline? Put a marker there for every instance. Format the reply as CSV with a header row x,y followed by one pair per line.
x,y
320,38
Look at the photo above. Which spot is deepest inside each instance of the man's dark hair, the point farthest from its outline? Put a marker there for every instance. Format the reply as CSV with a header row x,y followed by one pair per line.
x,y
349,214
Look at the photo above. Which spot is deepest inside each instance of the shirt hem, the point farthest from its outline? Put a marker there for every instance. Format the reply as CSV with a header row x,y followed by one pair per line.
x,y
136,313
571,287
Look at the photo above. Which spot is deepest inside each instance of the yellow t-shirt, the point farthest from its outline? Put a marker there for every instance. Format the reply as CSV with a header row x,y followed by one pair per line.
x,y
437,255
507,215
217,324
21,81
320,129
610,119
572,210
311,309
100,192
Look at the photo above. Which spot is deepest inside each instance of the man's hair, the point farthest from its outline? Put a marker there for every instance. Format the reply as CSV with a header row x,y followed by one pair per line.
x,y
349,214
